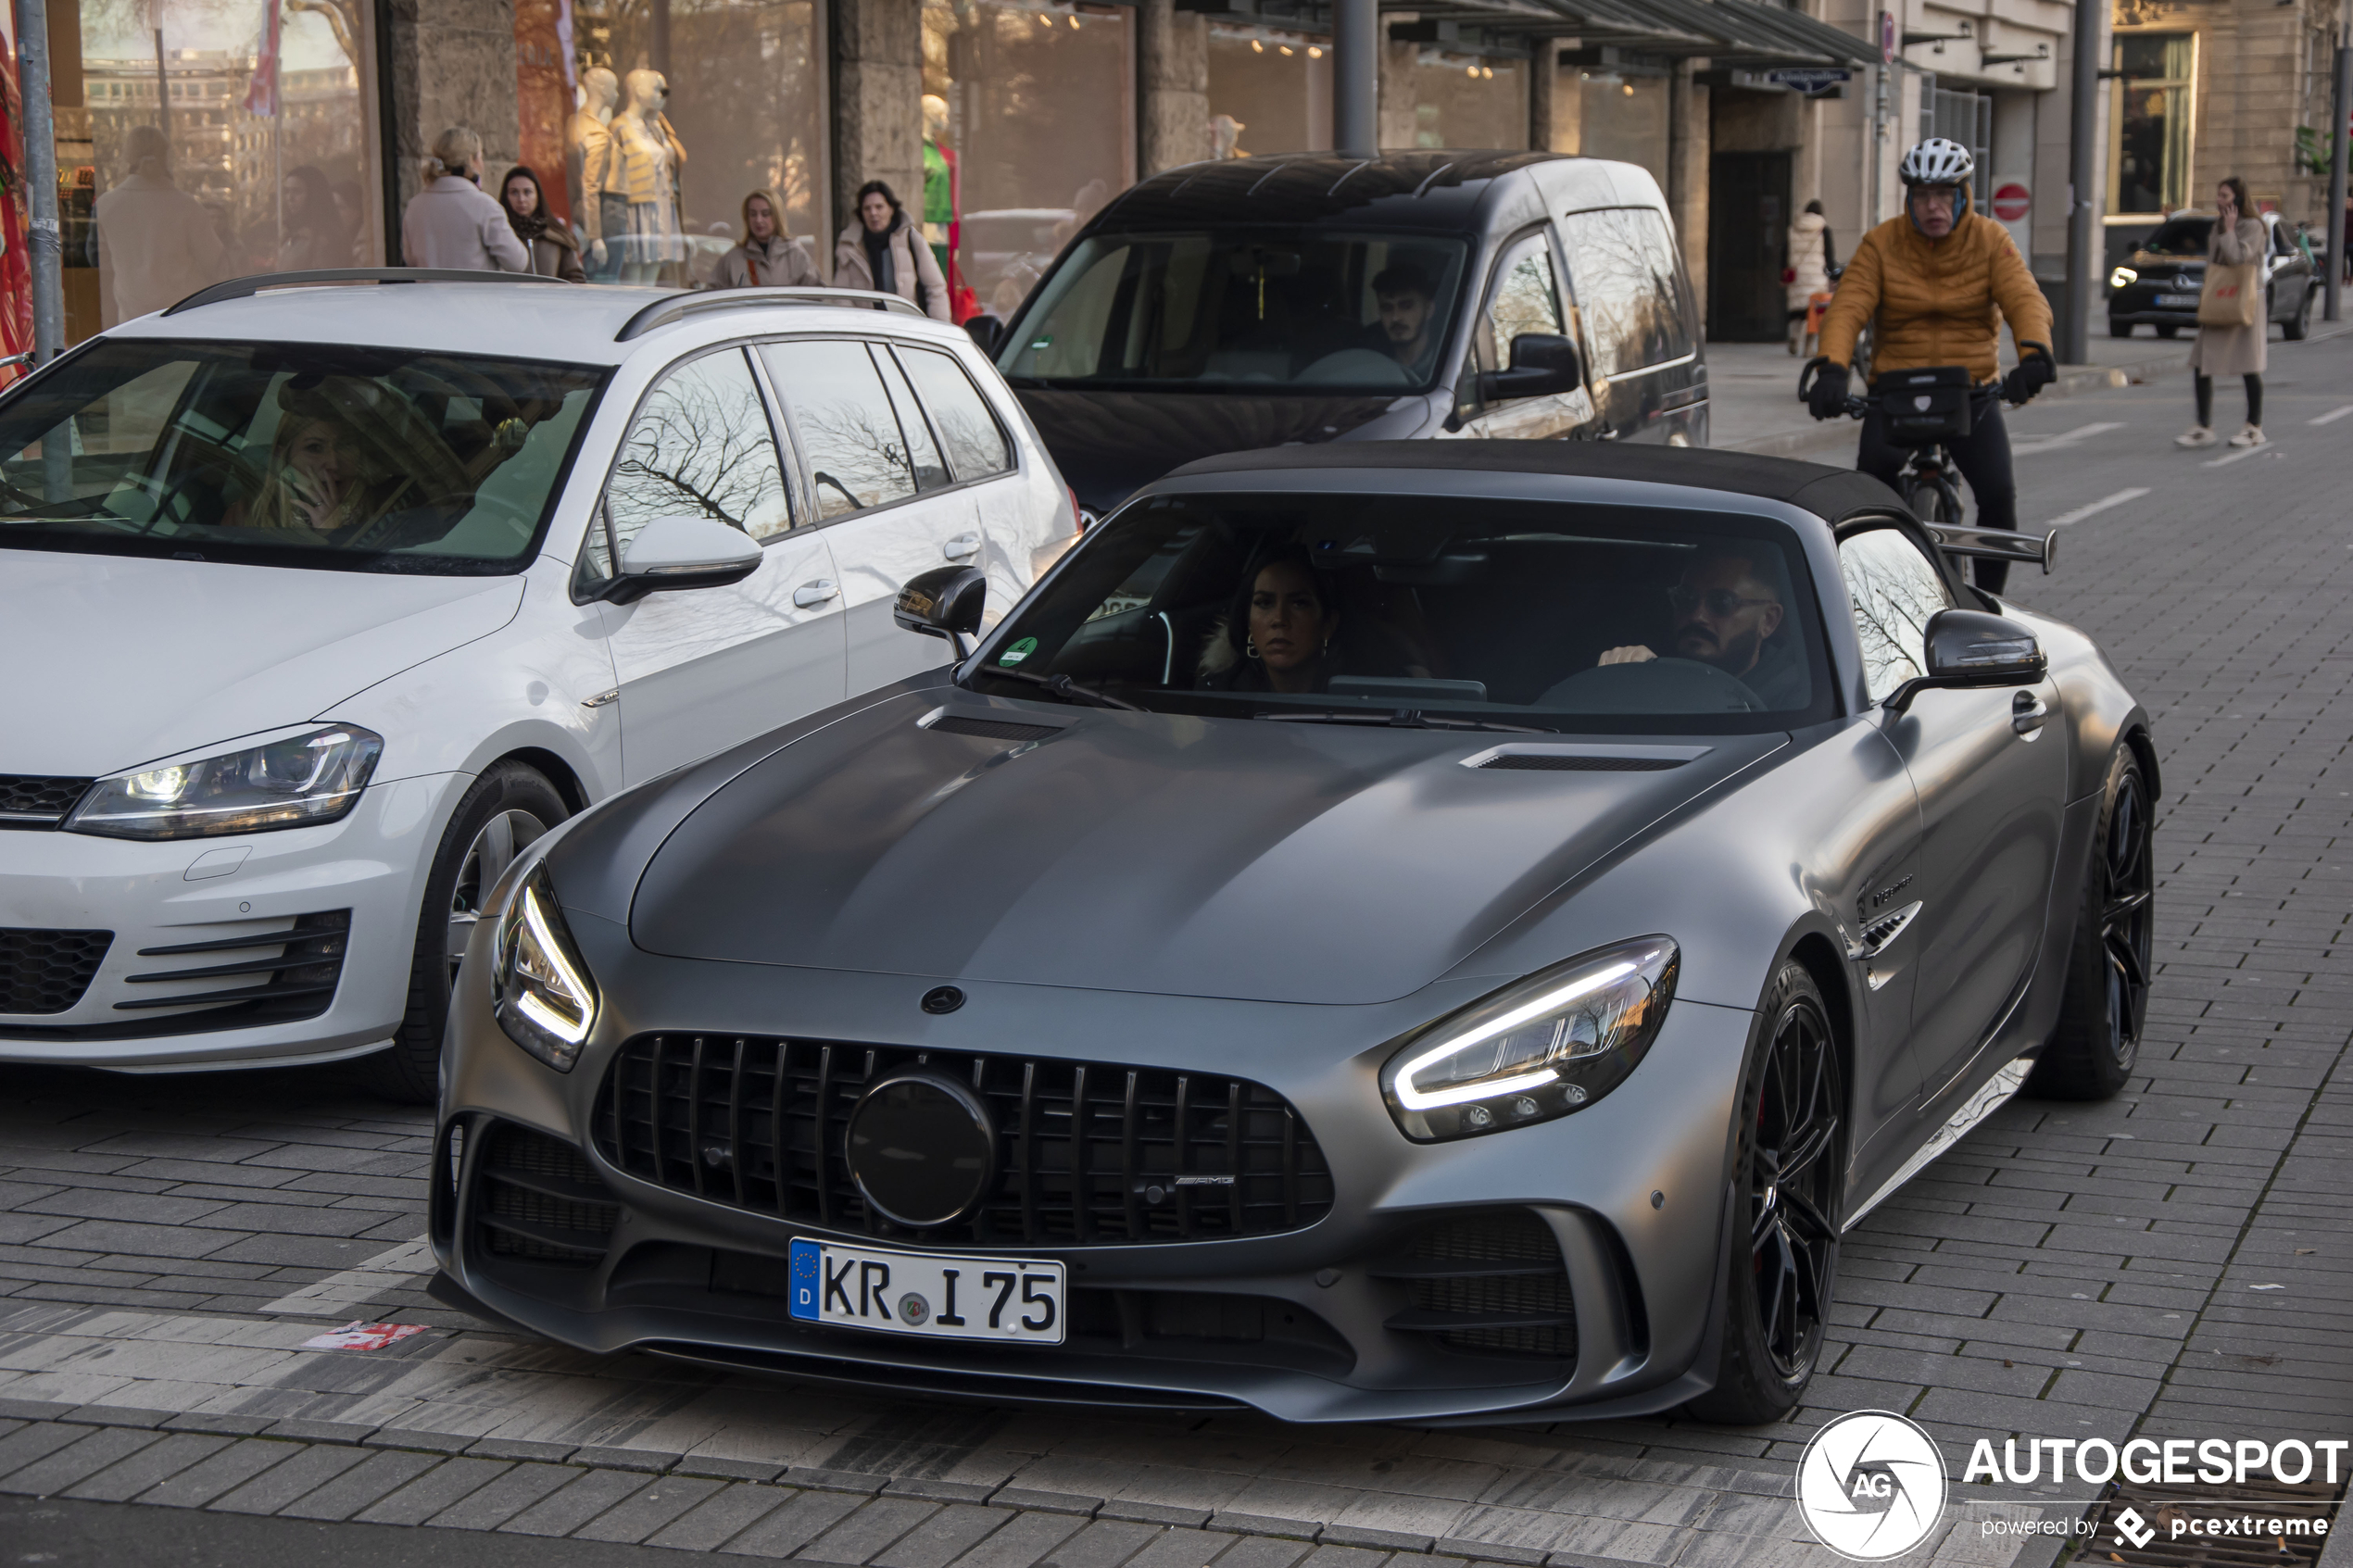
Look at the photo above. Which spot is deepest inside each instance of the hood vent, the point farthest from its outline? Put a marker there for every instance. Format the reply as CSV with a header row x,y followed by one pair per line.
x,y
1574,763
991,729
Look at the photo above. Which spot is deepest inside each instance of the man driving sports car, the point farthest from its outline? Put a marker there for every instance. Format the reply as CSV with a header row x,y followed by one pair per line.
x,y
1729,606
1937,283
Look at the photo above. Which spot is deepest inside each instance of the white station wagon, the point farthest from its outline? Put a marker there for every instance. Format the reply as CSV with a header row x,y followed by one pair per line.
x,y
318,602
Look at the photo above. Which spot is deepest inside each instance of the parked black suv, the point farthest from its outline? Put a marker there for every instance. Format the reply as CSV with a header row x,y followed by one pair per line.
x,y
1257,302
2159,282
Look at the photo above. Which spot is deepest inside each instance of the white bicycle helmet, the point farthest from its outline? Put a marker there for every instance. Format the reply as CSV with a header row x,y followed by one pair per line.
x,y
1940,161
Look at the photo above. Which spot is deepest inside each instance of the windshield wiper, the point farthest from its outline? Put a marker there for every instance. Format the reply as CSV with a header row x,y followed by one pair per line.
x,y
1068,690
1403,719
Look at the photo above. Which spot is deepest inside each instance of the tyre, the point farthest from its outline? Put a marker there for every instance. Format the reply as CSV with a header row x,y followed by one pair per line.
x,y
2092,1052
2168,329
2298,327
503,811
1789,1164
2118,329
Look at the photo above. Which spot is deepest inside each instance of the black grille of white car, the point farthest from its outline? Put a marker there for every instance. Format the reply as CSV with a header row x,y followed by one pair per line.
x,y
537,1199
1087,1153
286,972
35,800
1491,1283
48,970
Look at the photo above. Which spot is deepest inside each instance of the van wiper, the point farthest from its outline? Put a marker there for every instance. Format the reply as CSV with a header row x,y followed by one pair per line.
x,y
1067,689
1403,719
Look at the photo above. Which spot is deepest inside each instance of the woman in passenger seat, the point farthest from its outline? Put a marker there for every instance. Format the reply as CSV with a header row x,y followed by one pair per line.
x,y
1279,635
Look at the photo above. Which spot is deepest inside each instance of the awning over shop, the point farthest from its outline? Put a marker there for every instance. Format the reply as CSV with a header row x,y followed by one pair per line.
x,y
1742,33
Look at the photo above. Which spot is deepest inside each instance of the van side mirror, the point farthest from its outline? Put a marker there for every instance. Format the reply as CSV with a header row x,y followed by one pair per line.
x,y
943,602
1543,364
671,553
1969,648
987,332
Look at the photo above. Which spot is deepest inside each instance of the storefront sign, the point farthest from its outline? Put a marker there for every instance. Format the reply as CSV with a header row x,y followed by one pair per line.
x,y
1810,79
2011,201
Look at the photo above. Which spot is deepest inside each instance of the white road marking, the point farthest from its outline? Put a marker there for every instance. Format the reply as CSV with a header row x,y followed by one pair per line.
x,y
2242,455
2331,416
337,1294
2063,440
2080,513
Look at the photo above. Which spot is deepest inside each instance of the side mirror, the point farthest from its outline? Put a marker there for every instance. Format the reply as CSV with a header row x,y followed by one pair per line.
x,y
1969,648
1543,364
943,602
988,331
683,552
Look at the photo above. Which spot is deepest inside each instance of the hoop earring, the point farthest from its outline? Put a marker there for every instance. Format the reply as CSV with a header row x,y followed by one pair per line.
x,y
1250,648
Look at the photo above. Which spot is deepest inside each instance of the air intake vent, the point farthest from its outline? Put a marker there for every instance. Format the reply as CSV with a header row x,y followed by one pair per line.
x,y
537,1199
34,801
1087,1153
1574,763
48,970
269,976
1491,1284
991,729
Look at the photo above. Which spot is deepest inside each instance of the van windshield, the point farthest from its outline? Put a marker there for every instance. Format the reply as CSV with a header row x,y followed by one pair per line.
x,y
1242,309
291,455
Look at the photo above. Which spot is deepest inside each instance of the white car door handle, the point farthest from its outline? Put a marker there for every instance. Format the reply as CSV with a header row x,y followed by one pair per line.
x,y
813,594
962,547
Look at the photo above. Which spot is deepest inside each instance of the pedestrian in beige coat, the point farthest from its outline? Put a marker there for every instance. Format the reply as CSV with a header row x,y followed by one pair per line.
x,y
2231,351
768,257
883,252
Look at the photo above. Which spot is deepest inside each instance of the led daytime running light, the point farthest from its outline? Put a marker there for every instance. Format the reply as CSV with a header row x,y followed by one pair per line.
x,y
551,952
1414,1098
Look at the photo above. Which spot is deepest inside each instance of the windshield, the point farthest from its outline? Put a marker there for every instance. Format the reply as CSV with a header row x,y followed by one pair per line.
x,y
1241,308
290,455
1585,619
2180,236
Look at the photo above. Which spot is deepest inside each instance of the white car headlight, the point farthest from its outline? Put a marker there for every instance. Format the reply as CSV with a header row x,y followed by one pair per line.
x,y
542,995
2122,276
305,779
1544,1046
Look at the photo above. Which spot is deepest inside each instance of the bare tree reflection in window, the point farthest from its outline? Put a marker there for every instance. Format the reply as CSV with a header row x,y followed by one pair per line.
x,y
700,448
975,445
1895,591
1623,270
858,456
1525,299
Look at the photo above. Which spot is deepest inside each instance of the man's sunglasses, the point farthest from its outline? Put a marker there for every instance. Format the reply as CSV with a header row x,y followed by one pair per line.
x,y
1721,603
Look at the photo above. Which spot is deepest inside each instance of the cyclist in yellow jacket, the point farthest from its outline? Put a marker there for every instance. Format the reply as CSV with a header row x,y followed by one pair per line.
x,y
1937,283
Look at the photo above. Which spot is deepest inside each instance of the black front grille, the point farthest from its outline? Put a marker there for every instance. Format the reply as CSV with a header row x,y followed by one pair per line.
x,y
1566,762
32,801
1491,1284
48,970
1088,1153
538,1199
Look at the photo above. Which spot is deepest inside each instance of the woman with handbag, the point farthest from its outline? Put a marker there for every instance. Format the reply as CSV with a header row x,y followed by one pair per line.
x,y
2234,329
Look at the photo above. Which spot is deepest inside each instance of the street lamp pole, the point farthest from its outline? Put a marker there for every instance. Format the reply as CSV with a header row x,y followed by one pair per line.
x,y
41,181
2082,254
2341,106
1356,75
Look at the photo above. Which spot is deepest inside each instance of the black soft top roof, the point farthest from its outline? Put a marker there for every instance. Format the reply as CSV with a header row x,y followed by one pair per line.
x,y
1830,493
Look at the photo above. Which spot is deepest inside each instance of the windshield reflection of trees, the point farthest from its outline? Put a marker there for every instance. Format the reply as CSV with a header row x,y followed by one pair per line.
x,y
1894,595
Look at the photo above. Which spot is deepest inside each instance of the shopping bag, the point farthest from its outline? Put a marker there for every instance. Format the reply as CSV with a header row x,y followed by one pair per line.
x,y
2232,296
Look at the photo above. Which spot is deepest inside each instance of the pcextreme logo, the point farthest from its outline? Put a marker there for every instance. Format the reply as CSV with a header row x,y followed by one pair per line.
x,y
1871,1486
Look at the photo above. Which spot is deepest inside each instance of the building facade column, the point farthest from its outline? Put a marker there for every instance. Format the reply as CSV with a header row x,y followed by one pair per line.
x,y
878,104
447,62
1544,87
1171,70
1686,157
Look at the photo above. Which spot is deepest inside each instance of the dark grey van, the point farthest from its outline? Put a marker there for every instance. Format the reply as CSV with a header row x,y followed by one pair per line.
x,y
1257,302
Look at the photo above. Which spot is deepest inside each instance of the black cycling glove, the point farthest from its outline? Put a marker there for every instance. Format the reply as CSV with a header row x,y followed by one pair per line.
x,y
1828,397
2035,372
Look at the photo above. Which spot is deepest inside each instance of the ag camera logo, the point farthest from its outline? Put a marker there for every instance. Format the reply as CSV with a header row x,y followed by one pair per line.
x,y
1871,1486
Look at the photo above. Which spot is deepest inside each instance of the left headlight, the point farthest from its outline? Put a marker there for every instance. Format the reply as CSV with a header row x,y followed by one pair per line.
x,y
305,779
542,994
1545,1047
2122,277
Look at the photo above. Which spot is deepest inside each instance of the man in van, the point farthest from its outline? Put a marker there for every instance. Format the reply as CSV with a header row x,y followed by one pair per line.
x,y
1402,295
1938,282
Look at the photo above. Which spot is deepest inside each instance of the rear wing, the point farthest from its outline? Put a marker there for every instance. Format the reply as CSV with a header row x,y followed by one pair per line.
x,y
1996,544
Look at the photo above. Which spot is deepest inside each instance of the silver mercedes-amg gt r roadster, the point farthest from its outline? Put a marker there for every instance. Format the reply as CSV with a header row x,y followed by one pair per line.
x,y
1423,931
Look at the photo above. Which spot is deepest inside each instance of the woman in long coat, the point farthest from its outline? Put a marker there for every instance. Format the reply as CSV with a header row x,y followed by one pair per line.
x,y
1809,274
767,258
883,252
2232,351
554,252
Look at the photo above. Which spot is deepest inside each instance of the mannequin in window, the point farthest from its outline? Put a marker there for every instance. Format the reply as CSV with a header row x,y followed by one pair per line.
x,y
650,158
600,204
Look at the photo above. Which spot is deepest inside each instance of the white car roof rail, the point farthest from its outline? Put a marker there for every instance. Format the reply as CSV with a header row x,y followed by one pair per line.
x,y
244,288
678,307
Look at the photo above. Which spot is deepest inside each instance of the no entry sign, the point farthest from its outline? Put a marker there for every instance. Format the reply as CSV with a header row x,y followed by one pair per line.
x,y
2011,201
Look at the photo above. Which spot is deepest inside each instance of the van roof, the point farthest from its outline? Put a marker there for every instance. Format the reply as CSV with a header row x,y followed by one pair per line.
x,y
1436,190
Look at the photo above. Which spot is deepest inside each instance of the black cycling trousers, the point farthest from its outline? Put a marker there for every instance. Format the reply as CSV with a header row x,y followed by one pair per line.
x,y
1984,457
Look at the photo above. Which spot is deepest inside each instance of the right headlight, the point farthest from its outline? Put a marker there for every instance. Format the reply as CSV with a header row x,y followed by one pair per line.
x,y
1544,1046
2122,276
542,993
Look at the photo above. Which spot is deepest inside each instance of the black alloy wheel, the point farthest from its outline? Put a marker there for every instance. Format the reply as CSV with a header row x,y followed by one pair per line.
x,y
2093,1053
1784,1248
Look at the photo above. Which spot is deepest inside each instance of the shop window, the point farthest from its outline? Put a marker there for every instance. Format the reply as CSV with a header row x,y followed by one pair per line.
x,y
1029,129
1613,115
197,142
1460,100
2151,122
1269,92
649,121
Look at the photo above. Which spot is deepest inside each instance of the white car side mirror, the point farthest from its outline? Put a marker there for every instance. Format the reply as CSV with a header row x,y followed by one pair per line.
x,y
683,552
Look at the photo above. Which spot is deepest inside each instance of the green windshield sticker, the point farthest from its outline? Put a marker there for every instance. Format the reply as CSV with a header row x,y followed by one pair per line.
x,y
1019,651
1042,342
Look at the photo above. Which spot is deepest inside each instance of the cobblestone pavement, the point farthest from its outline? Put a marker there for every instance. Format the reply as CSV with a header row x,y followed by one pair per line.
x,y
2173,1264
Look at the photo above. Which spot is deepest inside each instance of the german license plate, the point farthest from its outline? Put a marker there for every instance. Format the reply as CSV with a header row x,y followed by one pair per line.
x,y
2177,302
921,1292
